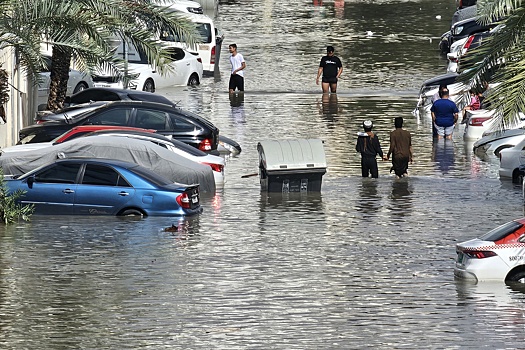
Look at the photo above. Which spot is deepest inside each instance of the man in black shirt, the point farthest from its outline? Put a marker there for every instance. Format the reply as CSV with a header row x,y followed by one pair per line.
x,y
330,68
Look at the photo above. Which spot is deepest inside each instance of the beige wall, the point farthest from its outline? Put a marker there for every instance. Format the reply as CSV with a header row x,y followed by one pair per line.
x,y
18,109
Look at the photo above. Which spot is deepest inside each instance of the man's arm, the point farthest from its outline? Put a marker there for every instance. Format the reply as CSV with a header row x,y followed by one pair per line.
x,y
319,73
339,72
243,65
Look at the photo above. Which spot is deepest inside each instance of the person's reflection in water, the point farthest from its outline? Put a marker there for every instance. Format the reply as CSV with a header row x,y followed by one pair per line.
x,y
369,201
329,106
237,108
339,6
443,154
401,198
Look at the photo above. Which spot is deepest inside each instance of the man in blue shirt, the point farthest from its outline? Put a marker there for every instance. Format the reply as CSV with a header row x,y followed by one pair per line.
x,y
444,115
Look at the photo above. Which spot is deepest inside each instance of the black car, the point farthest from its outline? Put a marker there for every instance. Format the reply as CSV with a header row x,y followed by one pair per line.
x,y
168,120
114,94
461,30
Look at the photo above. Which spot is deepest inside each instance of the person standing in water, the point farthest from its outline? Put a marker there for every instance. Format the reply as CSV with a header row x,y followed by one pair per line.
x,y
400,149
369,147
238,66
330,68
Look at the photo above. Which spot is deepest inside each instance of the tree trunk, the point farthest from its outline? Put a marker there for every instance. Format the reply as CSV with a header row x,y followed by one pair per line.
x,y
60,60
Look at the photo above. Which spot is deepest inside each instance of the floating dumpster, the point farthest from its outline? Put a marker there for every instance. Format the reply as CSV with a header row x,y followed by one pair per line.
x,y
291,165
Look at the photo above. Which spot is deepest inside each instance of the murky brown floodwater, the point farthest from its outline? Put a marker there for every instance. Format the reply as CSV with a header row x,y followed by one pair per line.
x,y
364,264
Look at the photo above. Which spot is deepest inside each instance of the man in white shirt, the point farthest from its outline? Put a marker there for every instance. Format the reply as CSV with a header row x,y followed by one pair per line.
x,y
238,65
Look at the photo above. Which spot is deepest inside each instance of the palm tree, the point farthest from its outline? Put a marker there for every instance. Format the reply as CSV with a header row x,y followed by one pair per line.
x,y
501,60
83,30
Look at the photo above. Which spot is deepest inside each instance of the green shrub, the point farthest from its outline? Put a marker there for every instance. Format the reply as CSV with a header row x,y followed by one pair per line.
x,y
10,209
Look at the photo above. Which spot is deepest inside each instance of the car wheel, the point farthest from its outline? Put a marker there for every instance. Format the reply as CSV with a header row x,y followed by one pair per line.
x,y
194,80
80,86
516,277
149,86
132,212
496,152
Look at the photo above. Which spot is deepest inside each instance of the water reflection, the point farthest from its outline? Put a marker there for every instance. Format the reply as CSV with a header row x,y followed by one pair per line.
x,y
237,112
328,106
443,154
401,198
369,201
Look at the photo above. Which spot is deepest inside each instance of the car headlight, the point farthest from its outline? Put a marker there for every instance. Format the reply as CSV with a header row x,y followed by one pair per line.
x,y
457,30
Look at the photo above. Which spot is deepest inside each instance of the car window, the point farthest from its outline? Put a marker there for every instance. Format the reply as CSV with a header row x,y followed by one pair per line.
x,y
176,54
103,176
150,119
89,95
501,231
204,30
59,173
180,123
114,116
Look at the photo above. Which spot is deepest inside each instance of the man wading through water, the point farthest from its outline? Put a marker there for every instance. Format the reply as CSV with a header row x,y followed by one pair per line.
x,y
369,147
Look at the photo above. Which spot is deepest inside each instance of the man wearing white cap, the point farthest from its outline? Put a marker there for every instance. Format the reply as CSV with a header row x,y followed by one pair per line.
x,y
369,147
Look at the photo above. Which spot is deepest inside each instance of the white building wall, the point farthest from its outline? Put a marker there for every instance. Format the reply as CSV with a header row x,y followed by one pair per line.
x,y
18,109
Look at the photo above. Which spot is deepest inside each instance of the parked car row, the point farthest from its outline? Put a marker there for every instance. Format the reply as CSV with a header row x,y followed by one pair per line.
x,y
497,255
177,144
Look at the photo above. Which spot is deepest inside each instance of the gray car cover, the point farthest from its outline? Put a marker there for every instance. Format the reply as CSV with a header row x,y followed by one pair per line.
x,y
162,161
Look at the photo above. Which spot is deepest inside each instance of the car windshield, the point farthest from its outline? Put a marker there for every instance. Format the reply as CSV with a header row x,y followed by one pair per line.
x,y
501,231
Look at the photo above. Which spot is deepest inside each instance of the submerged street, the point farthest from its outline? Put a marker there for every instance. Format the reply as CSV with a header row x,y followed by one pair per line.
x,y
365,263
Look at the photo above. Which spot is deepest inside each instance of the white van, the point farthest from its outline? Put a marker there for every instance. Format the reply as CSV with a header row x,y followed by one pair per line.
x,y
211,41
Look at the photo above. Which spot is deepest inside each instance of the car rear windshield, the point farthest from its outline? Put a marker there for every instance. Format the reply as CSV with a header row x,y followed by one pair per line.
x,y
501,231
151,176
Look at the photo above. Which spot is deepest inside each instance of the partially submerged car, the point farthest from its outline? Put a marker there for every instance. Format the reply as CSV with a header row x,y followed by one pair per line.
x,y
216,163
498,255
170,121
429,89
494,142
168,164
103,187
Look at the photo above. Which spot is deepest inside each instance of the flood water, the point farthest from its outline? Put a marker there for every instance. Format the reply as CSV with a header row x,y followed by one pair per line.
x,y
365,263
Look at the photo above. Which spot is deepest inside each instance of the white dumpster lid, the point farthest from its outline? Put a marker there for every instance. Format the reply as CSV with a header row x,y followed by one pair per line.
x,y
292,154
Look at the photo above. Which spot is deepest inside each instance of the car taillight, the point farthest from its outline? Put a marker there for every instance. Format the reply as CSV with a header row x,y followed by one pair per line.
x,y
184,201
467,44
216,167
212,57
40,121
479,254
199,59
453,59
205,145
478,121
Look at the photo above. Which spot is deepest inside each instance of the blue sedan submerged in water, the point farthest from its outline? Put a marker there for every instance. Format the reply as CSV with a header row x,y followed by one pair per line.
x,y
103,187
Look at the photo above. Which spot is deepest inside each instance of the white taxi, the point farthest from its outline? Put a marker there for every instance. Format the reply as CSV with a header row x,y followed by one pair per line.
x,y
498,255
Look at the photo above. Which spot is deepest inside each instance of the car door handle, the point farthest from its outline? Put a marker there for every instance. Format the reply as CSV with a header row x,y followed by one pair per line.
x,y
123,194
67,190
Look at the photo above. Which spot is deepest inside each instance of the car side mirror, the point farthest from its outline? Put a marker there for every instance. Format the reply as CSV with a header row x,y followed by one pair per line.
x,y
30,181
